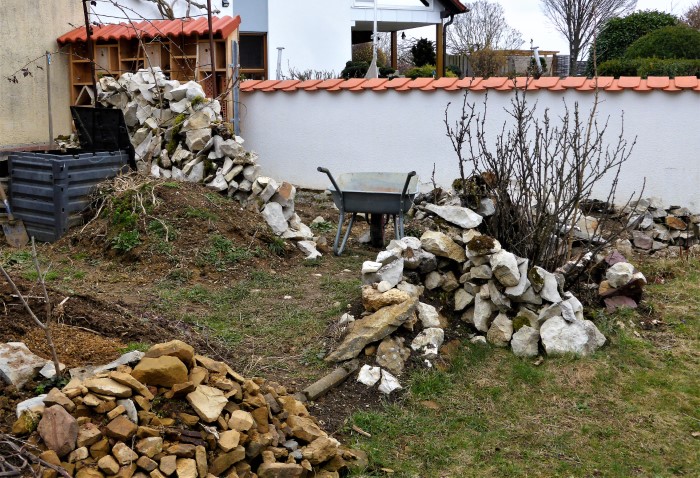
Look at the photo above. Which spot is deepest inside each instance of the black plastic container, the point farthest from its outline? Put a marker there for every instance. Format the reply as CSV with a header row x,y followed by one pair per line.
x,y
49,190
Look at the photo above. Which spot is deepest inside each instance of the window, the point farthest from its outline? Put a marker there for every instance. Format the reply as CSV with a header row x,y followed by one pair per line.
x,y
253,54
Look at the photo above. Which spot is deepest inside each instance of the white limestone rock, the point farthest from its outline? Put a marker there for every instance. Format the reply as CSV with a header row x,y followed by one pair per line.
x,y
459,216
428,342
505,267
525,342
580,338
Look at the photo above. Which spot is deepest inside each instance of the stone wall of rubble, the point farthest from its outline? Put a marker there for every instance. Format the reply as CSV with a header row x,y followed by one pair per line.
x,y
662,230
179,134
505,300
171,412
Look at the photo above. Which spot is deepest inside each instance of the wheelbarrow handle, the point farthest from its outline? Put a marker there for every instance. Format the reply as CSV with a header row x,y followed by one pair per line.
x,y
408,180
330,176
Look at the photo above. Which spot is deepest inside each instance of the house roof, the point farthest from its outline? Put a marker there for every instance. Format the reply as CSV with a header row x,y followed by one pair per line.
x,y
629,83
151,29
455,6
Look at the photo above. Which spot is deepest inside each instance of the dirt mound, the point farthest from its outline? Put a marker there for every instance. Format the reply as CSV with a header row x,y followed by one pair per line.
x,y
183,230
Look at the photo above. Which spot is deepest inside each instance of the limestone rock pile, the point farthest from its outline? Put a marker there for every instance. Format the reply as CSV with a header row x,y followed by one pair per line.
x,y
662,230
179,134
507,301
176,413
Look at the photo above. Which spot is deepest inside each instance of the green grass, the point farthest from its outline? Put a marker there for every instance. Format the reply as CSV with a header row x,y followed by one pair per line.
x,y
131,346
222,253
627,411
197,213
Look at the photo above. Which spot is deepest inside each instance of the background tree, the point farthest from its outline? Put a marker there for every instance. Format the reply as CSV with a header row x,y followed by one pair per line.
x,y
578,20
483,27
363,52
692,16
423,52
617,34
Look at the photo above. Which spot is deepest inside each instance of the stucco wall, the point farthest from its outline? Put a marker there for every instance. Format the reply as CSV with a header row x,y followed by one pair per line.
x,y
402,131
29,30
308,41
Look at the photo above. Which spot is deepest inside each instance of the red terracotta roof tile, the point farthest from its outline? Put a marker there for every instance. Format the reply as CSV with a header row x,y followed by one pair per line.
x,y
347,84
478,84
629,81
573,82
416,84
614,86
248,85
304,85
642,86
470,83
658,82
440,83
546,81
264,85
284,85
370,84
326,84
686,81
154,28
393,83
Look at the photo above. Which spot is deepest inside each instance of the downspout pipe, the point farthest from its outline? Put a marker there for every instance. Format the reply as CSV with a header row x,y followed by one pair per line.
x,y
444,43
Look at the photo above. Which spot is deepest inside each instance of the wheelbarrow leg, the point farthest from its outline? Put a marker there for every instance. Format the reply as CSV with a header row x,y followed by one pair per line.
x,y
339,250
341,220
397,232
399,229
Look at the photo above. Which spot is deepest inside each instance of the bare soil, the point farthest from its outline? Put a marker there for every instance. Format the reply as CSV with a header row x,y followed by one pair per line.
x,y
116,298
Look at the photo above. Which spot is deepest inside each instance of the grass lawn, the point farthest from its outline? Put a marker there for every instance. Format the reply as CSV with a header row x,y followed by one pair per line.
x,y
632,409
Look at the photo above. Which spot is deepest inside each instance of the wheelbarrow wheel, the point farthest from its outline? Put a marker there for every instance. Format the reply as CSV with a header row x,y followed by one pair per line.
x,y
376,230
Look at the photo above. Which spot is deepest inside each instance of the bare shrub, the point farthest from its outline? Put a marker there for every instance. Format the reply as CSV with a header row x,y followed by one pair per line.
x,y
539,172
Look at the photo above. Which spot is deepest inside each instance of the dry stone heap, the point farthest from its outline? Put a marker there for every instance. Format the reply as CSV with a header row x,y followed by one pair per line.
x,y
508,302
661,230
179,134
179,414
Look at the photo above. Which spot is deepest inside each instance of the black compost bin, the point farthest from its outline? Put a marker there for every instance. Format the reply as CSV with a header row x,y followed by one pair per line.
x,y
50,189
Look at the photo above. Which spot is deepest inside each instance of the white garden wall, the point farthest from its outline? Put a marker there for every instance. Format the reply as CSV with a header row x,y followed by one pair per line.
x,y
348,131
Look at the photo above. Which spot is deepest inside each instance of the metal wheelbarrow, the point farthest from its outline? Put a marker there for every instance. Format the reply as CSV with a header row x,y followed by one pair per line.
x,y
377,194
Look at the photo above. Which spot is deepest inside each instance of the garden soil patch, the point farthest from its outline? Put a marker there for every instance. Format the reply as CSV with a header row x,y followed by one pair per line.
x,y
113,295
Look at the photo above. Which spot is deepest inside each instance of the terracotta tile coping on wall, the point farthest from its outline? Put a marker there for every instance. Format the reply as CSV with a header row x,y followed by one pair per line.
x,y
631,83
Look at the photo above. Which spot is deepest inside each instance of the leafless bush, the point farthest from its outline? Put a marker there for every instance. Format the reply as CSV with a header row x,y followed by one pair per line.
x,y
538,172
310,74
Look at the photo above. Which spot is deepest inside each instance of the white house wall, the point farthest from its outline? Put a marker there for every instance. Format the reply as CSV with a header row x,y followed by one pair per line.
x,y
117,11
296,132
315,35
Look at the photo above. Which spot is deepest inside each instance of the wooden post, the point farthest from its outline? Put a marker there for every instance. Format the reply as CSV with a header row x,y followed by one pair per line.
x,y
439,50
212,52
90,50
394,51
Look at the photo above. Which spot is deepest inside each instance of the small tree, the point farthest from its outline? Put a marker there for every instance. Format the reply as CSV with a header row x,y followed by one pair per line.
x,y
483,26
578,20
538,171
692,16
423,52
363,52
488,62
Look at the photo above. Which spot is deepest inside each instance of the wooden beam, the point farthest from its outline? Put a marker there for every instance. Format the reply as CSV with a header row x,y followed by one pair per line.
x,y
394,51
439,50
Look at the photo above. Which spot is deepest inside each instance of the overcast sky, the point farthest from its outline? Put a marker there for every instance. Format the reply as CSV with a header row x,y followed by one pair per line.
x,y
527,16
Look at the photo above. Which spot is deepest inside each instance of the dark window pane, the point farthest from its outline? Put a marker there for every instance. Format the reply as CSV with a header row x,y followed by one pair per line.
x,y
252,50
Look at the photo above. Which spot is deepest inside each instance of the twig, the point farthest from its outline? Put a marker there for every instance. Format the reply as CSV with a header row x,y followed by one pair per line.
x,y
42,281
361,431
42,326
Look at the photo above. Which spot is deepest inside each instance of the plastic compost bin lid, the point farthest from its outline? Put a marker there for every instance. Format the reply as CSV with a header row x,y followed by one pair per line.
x,y
102,129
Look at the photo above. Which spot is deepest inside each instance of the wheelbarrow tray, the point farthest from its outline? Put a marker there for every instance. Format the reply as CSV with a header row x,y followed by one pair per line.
x,y
374,193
